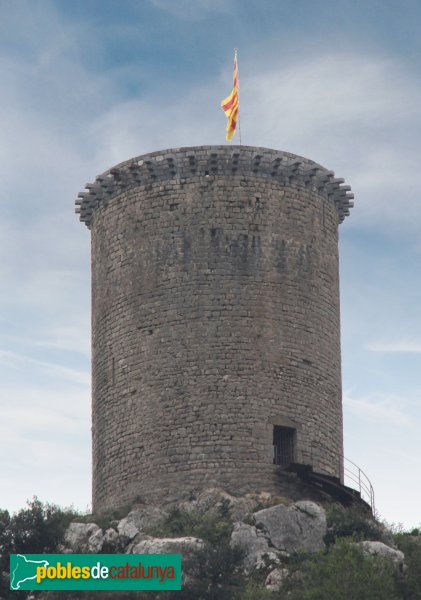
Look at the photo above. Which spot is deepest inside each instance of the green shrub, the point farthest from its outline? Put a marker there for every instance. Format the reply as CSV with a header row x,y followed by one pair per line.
x,y
353,522
214,572
256,591
343,572
105,519
36,529
411,546
213,526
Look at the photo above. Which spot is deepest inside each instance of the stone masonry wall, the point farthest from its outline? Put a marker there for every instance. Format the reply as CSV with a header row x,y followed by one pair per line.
x,y
215,316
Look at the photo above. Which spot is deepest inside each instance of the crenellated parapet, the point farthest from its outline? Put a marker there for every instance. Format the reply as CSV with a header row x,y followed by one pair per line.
x,y
212,161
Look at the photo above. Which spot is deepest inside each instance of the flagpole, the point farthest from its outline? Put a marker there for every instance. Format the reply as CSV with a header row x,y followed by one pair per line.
x,y
238,86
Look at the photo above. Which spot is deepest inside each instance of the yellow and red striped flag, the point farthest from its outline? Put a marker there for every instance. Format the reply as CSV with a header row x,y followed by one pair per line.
x,y
231,104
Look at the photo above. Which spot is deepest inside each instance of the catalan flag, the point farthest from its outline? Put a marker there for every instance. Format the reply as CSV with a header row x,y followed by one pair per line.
x,y
231,104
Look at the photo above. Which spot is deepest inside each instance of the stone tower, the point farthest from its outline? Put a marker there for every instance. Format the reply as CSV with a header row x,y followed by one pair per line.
x,y
215,321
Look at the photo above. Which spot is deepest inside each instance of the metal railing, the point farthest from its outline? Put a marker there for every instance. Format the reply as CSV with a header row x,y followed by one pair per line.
x,y
354,476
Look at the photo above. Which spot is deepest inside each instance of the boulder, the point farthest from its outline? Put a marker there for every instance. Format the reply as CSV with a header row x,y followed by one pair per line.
x,y
95,542
276,579
380,549
139,519
255,545
240,508
298,528
112,539
183,545
77,537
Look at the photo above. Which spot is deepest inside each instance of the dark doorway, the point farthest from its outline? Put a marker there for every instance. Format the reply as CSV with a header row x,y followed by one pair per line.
x,y
283,445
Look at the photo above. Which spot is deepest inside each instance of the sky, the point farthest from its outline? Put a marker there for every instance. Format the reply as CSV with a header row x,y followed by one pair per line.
x,y
87,84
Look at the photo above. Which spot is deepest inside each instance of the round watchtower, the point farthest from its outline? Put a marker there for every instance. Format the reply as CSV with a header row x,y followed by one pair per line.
x,y
215,321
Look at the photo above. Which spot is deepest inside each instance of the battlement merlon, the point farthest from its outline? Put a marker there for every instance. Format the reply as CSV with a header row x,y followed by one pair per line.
x,y
211,161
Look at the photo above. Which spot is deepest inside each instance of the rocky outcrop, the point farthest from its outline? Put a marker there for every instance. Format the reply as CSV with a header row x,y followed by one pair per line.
x,y
268,529
380,549
139,519
276,579
256,547
182,545
300,527
83,538
215,499
111,539
276,530
266,535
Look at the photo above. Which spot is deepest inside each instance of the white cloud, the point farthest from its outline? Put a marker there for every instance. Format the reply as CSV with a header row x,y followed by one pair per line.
x,y
29,421
44,432
72,337
405,346
379,408
194,10
388,460
351,112
52,370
